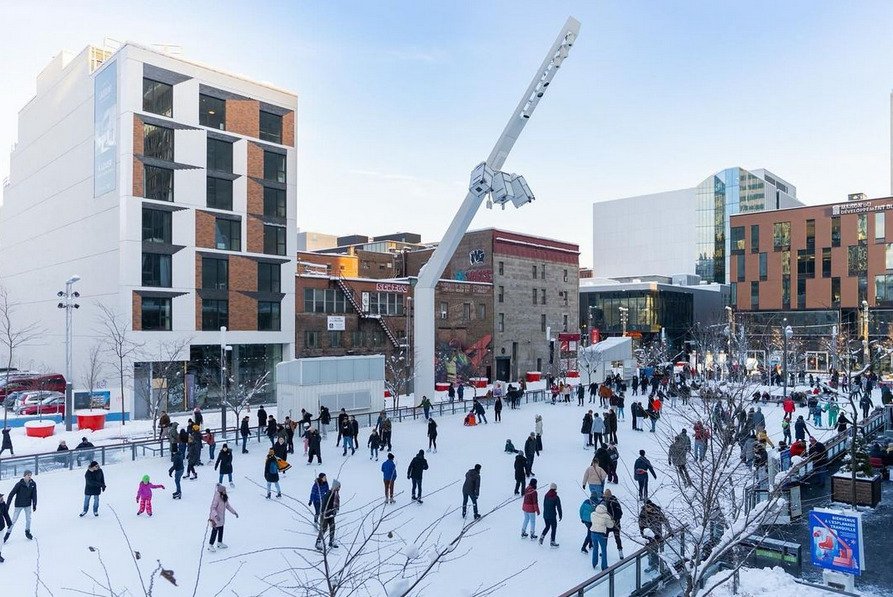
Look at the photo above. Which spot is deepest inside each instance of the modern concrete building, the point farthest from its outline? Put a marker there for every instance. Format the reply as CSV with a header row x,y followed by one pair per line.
x,y
169,188
683,231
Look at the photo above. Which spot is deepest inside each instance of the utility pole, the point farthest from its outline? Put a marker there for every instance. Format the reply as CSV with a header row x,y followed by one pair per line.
x,y
68,303
866,355
624,317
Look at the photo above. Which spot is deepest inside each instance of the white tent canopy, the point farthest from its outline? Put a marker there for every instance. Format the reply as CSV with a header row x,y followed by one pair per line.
x,y
598,359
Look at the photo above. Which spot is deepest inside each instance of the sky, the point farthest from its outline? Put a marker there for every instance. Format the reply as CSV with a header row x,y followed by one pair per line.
x,y
399,100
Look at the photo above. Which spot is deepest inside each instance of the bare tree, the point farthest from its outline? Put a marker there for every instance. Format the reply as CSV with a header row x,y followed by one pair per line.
x,y
93,369
398,375
116,336
12,335
167,365
590,361
244,393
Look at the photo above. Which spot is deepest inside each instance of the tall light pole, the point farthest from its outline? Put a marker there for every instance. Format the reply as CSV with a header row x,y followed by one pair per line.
x,y
866,356
223,350
786,334
834,346
624,317
68,303
730,332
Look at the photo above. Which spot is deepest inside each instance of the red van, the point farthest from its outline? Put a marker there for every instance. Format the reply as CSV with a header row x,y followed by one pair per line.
x,y
54,382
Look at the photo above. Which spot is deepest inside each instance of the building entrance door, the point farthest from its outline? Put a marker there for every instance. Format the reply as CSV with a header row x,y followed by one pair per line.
x,y
503,368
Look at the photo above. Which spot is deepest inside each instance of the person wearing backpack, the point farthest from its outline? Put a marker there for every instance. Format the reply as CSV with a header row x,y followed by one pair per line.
x,y
616,513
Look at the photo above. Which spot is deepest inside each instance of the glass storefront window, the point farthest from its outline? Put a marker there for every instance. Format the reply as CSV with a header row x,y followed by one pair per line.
x,y
781,236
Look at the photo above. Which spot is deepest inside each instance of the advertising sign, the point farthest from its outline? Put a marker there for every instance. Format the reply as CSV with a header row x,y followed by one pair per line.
x,y
595,336
105,130
335,323
837,540
96,399
364,298
568,342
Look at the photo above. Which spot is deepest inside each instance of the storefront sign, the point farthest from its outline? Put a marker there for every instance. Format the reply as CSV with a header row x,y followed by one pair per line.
x,y
859,207
335,323
455,288
386,287
837,540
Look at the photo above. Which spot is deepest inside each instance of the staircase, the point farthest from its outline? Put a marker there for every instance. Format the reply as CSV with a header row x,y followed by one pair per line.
x,y
349,293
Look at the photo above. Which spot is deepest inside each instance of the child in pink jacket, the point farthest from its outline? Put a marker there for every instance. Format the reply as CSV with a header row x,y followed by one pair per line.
x,y
219,505
144,495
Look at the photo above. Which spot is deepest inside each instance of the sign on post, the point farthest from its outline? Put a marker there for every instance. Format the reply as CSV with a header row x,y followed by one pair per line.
x,y
837,540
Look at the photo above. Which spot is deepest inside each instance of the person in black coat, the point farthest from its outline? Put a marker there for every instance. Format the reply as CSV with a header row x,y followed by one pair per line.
x,y
530,452
581,393
271,473
94,484
611,425
7,442
245,431
84,450
224,465
193,449
324,419
471,489
314,443
261,421
176,467
272,428
551,513
616,513
4,519
345,434
520,472
25,500
497,409
355,432
417,467
280,449
342,417
586,428
432,434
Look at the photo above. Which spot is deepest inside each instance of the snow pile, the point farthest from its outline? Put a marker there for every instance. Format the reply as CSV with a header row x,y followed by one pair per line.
x,y
765,582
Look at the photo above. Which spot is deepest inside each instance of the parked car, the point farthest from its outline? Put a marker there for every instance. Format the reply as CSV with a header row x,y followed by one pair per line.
x,y
23,399
48,406
30,382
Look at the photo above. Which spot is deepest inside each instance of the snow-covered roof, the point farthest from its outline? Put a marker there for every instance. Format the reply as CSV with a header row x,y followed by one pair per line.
x,y
615,348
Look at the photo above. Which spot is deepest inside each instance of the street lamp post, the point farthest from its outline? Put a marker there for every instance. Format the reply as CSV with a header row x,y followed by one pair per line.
x,y
224,348
788,332
68,303
624,317
834,347
866,356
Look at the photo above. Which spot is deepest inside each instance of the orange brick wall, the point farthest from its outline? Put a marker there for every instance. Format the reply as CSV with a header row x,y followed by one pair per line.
x,y
138,171
137,322
137,135
288,129
255,242
243,117
255,197
255,161
204,229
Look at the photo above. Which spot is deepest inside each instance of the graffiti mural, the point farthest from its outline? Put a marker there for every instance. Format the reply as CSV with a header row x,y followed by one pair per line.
x,y
460,359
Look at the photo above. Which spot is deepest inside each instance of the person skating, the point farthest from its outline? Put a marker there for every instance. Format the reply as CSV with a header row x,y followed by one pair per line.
x,y
641,468
702,436
4,521
613,457
389,475
678,457
386,433
497,409
479,411
520,472
374,444
355,432
616,513
598,430
24,499
586,429
551,506
586,509
94,484
652,518
581,394
594,480
208,438
471,489
314,446
7,442
324,419
346,437
530,452
84,451
800,430
197,417
261,422
842,423
331,505
217,517
342,417
280,449
224,465
530,506
601,524
611,425
538,428
173,436
271,473
192,452
271,429
144,495
318,492
417,466
176,470
245,431
432,435
426,407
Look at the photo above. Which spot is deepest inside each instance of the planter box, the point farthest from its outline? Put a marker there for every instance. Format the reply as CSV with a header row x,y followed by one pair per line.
x,y
479,382
40,428
534,376
441,386
573,374
868,491
90,419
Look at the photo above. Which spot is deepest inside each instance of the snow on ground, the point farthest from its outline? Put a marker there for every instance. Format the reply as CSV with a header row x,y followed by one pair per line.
x,y
175,535
767,582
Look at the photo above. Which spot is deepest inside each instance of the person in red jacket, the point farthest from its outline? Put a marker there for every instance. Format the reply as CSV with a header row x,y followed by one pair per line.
x,y
531,507
788,406
798,448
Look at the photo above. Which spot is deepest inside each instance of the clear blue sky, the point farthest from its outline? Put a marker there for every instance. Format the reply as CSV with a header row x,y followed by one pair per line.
x,y
399,100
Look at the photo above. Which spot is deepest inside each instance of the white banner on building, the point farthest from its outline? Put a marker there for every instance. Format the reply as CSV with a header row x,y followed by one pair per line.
x,y
105,130
335,323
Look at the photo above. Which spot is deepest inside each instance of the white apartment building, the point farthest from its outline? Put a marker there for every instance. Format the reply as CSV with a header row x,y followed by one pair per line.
x,y
169,187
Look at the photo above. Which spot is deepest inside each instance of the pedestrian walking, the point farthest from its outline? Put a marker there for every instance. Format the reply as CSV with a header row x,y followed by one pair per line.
x,y
432,435
94,484
244,431
24,499
318,492
217,517
261,422
471,489
374,444
176,471
612,504
224,465
551,507
594,480
314,446
702,435
330,506
641,468
389,475
144,495
601,524
7,442
530,452
417,466
677,456
530,506
271,473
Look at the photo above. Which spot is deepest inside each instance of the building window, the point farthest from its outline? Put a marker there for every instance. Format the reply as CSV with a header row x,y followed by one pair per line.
x,y
754,238
274,240
733,294
444,310
736,237
810,236
883,290
271,127
215,314
564,322
835,231
358,338
857,260
269,277
501,268
888,256
785,292
228,234
542,296
156,270
534,272
500,295
215,273
334,336
387,303
211,112
482,311
158,183
466,311
862,289
785,262
311,339
739,262
274,166
880,226
764,265
543,272
501,322
155,313
835,292
269,316
220,193
158,142
158,98
535,295
781,236
324,300
274,202
801,293
565,275
862,228
156,226
754,295
805,263
543,322
220,155
826,262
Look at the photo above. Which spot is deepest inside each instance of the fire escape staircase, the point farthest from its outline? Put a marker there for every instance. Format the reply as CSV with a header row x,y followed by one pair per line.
x,y
352,299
